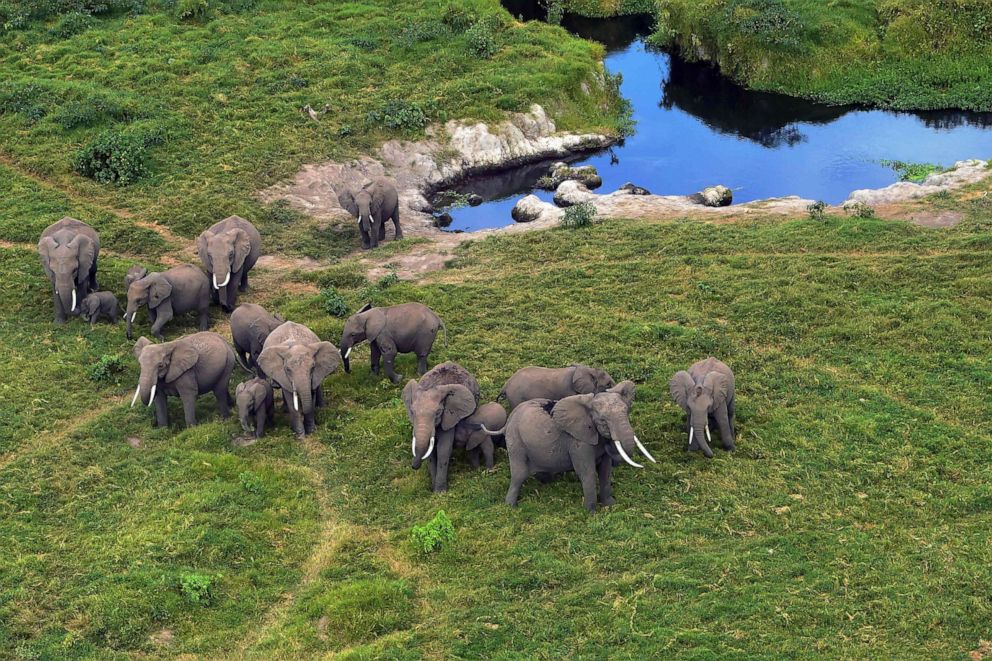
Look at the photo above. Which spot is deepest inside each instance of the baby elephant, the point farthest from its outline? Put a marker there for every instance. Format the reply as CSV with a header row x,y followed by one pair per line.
x,y
706,394
404,328
471,435
581,433
99,304
255,405
554,384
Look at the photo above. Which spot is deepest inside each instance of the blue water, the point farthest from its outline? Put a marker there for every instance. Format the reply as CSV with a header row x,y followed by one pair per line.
x,y
695,129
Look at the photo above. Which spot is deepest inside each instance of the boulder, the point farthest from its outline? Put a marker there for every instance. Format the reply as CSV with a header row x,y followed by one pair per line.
x,y
714,196
573,192
560,172
532,208
634,189
474,199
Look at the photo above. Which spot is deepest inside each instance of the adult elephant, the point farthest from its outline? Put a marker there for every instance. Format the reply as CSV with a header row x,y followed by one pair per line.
x,y
706,393
69,250
554,384
436,405
581,433
179,290
295,358
228,250
188,367
404,328
372,205
250,327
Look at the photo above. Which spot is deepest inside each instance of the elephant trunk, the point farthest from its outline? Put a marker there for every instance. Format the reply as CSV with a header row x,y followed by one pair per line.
x,y
699,431
65,288
147,387
422,444
624,441
345,353
301,397
129,314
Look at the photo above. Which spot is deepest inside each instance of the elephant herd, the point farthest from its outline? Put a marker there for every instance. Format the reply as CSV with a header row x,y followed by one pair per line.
x,y
571,419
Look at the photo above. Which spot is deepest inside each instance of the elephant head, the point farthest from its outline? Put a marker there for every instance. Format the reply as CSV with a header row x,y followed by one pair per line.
x,y
588,380
134,274
250,397
89,308
362,205
151,290
160,363
366,324
587,418
299,369
224,253
699,400
67,261
442,406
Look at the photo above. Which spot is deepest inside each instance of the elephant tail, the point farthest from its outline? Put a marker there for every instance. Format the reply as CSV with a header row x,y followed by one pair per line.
x,y
237,359
445,329
501,395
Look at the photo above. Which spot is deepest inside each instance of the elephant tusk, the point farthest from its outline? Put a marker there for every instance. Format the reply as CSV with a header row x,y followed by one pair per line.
x,y
625,457
347,353
296,400
430,448
215,282
691,430
73,300
413,446
137,391
644,450
226,280
135,313
151,399
709,439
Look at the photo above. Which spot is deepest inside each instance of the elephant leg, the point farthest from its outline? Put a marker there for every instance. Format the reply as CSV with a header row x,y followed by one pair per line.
x,y
445,443
204,319
388,350
488,450
376,357
223,399
161,319
161,410
382,229
432,467
519,472
309,423
421,365
473,457
584,464
726,430
243,285
59,310
732,411
366,243
396,223
259,424
214,292
318,398
188,397
605,481
296,423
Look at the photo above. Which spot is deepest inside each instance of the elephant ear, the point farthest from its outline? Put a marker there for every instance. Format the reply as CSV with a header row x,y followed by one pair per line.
x,y
375,190
719,385
582,380
680,386
326,359
572,416
140,345
272,362
407,396
459,403
183,359
364,308
159,290
45,248
347,202
85,254
242,246
375,323
202,249
626,391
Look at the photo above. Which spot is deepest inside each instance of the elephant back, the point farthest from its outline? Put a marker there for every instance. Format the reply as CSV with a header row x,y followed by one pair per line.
x,y
450,374
290,332
74,226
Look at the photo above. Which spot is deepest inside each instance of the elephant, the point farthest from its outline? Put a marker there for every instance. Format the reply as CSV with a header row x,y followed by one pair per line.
x,y
250,325
181,289
189,367
99,304
706,394
296,359
134,273
229,249
372,205
442,399
581,433
404,328
69,250
470,435
255,405
554,384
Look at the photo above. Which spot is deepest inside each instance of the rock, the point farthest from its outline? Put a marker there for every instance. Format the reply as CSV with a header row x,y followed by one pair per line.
x,y
714,196
417,202
573,192
443,219
561,172
474,200
532,208
634,189
962,174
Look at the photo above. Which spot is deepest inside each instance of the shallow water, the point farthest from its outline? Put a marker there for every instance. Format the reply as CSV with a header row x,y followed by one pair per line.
x,y
695,128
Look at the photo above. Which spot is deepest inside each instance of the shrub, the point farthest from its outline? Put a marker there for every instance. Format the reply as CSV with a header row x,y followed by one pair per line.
x,y
282,213
457,17
401,114
71,24
817,210
371,293
579,215
422,30
115,157
433,535
192,10
860,210
769,22
196,588
108,369
332,302
485,38
251,482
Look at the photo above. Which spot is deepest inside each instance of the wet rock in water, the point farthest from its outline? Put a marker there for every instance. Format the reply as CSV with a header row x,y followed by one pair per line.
x,y
634,189
473,199
561,172
533,208
572,192
443,219
714,196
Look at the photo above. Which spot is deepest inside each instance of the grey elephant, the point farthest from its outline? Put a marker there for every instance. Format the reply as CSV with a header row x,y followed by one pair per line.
x,y
372,205
706,394
188,367
255,405
250,326
179,290
436,405
296,359
99,304
69,250
469,434
554,384
134,273
581,433
229,250
404,328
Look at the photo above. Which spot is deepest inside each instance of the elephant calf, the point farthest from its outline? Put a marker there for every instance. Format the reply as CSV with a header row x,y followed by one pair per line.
x,y
188,367
581,433
229,250
472,436
554,384
69,250
134,273
181,289
404,328
255,405
250,326
706,394
99,304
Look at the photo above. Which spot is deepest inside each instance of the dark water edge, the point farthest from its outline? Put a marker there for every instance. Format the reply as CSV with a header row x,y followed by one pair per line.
x,y
697,128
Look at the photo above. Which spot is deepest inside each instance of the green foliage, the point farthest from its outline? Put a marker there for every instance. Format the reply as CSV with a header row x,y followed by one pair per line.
x,y
769,22
192,10
251,482
116,156
457,17
197,588
817,210
108,369
72,24
915,172
485,37
860,210
332,302
373,292
401,114
579,215
434,535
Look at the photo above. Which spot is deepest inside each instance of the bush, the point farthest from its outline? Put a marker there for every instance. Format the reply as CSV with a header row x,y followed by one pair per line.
x,y
371,293
115,157
433,535
108,369
401,114
71,24
251,482
422,30
817,210
196,588
860,210
579,215
192,10
769,22
458,18
281,212
485,38
332,302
